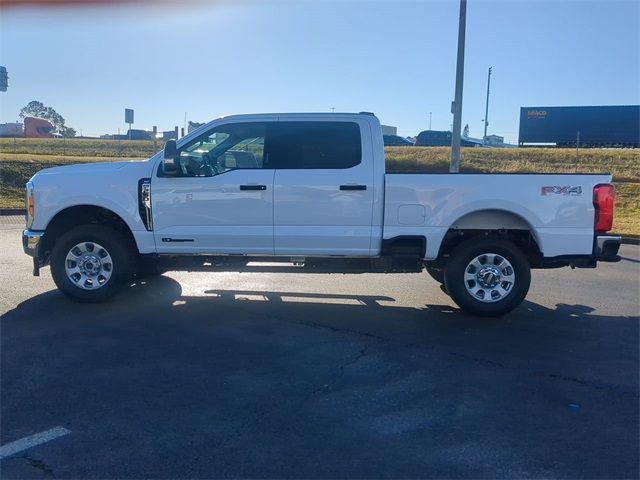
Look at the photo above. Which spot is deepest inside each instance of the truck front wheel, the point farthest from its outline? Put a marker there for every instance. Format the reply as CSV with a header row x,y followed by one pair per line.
x,y
487,276
90,263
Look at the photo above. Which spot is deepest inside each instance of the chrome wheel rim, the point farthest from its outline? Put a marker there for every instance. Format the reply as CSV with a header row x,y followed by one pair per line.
x,y
88,265
489,278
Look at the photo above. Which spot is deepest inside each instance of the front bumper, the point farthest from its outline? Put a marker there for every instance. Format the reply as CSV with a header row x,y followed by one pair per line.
x,y
31,241
31,244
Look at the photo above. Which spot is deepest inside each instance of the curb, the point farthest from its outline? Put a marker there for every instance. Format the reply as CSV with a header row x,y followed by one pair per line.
x,y
22,211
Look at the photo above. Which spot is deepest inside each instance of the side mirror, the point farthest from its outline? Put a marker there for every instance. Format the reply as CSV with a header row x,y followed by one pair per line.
x,y
169,164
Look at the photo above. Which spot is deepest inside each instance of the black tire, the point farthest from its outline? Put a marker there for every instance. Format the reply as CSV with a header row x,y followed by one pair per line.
x,y
436,273
114,242
482,248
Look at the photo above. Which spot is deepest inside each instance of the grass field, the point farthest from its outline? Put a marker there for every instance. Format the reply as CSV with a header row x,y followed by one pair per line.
x,y
21,158
78,147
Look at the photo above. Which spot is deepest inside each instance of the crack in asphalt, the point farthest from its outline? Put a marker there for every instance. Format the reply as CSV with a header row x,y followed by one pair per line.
x,y
477,360
343,330
339,370
586,383
481,361
363,352
39,465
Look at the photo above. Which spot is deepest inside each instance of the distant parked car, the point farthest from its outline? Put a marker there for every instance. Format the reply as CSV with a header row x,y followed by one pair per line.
x,y
434,138
137,134
396,141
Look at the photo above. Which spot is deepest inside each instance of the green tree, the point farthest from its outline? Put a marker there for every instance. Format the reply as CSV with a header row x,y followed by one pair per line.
x,y
33,109
67,132
465,132
38,109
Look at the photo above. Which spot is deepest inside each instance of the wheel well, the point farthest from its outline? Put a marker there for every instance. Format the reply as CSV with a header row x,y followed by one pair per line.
x,y
522,238
491,219
82,215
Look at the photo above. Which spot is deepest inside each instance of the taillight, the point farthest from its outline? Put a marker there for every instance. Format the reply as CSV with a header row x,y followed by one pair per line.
x,y
604,197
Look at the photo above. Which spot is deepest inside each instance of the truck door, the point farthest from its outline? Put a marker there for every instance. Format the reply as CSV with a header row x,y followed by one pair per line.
x,y
220,201
323,187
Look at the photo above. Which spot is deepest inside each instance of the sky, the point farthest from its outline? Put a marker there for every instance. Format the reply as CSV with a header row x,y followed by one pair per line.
x,y
394,58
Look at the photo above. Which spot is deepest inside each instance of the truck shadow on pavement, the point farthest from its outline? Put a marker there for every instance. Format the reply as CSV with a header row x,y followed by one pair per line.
x,y
160,301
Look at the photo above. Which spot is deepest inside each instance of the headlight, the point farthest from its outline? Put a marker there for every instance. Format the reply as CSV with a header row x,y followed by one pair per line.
x,y
30,205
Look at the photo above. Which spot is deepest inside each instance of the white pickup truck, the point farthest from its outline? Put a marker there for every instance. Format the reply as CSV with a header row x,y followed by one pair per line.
x,y
309,193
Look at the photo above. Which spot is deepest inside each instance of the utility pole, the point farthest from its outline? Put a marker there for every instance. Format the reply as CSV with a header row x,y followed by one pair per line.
x,y
4,79
456,106
155,138
429,120
486,108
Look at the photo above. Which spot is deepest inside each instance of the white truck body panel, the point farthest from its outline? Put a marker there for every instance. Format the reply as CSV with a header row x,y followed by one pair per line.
x,y
313,217
112,185
214,213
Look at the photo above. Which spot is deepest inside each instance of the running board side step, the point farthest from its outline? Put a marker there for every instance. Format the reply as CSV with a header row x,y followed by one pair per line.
x,y
387,264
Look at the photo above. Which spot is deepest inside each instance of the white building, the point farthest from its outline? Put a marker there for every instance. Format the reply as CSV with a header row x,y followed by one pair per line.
x,y
494,140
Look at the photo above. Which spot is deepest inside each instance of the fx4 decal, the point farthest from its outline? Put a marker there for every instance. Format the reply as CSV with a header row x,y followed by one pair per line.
x,y
557,190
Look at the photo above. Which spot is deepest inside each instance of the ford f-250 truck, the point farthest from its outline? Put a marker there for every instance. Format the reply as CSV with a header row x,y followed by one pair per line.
x,y
311,190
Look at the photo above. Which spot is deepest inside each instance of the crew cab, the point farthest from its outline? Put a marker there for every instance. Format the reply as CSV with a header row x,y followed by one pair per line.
x,y
309,193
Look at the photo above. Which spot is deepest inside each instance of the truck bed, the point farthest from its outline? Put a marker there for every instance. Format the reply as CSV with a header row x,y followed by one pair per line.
x,y
557,208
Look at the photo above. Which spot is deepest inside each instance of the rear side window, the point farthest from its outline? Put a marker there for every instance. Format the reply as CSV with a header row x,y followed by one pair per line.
x,y
313,145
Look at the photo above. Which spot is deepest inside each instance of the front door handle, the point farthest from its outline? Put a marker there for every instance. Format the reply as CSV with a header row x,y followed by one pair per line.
x,y
353,187
253,187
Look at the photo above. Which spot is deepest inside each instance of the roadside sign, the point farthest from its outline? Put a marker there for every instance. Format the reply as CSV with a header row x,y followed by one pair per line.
x,y
128,115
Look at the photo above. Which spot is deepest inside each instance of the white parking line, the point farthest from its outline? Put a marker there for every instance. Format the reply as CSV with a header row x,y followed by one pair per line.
x,y
31,441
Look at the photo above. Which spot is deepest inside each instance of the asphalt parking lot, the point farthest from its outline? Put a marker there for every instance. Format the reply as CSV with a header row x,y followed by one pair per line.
x,y
300,375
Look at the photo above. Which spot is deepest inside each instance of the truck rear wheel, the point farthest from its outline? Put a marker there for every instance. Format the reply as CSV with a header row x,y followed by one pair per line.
x,y
487,276
90,263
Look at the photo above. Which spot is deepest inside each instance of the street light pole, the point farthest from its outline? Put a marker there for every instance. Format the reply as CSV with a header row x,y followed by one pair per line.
x,y
486,109
456,107
429,120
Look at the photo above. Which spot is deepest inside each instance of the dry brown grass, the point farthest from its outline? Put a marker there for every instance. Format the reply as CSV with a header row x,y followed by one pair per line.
x,y
627,216
79,147
623,164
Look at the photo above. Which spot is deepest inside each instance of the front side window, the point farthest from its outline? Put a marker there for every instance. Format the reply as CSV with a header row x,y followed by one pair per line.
x,y
314,145
228,147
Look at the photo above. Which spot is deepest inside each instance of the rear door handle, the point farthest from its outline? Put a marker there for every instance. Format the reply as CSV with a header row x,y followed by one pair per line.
x,y
253,187
353,187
